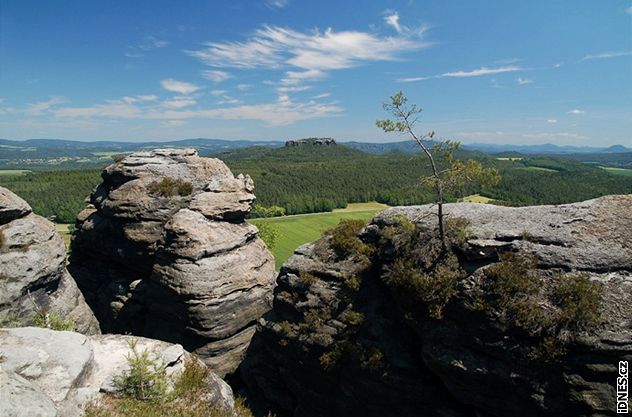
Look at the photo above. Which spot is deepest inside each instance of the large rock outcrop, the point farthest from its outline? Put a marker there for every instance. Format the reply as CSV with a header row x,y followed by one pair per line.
x,y
48,373
33,276
354,333
163,251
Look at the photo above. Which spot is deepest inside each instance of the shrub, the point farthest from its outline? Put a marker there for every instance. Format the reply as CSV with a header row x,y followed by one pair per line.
x,y
269,233
169,187
2,240
146,378
345,242
578,300
435,288
118,157
306,279
457,230
353,318
52,320
352,283
375,359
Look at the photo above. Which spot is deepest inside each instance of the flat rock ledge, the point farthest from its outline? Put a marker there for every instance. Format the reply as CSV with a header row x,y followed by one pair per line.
x,y
163,251
339,341
47,373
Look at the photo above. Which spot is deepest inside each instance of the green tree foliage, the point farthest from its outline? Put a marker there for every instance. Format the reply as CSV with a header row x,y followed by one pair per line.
x,y
269,233
453,173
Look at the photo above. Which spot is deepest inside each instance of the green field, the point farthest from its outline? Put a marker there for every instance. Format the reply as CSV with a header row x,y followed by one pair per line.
x,y
303,228
618,171
14,171
476,198
534,168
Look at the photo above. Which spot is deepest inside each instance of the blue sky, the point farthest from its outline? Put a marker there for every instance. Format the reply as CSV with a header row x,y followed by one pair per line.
x,y
483,71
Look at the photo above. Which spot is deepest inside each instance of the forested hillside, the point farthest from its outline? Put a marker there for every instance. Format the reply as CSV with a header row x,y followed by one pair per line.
x,y
315,179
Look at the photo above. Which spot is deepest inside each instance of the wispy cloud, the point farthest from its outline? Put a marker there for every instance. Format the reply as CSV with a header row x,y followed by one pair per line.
x,y
178,102
284,111
244,87
576,111
391,18
274,47
629,10
39,108
147,44
607,55
216,76
393,21
479,72
277,4
179,87
323,95
523,81
552,121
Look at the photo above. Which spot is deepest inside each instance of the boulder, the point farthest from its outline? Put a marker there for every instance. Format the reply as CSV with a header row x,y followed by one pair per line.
x,y
344,339
33,276
52,373
163,250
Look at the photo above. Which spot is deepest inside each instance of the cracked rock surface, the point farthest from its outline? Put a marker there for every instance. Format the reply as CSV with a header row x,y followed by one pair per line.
x,y
50,373
341,341
163,251
33,275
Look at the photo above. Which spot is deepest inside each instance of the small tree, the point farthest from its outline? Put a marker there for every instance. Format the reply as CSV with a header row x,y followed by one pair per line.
x,y
454,174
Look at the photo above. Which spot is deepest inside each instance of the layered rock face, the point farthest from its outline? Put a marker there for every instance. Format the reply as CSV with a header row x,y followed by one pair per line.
x,y
48,373
164,251
354,334
33,276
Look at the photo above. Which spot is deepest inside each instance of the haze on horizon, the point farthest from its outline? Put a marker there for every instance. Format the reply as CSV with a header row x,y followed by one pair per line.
x,y
487,72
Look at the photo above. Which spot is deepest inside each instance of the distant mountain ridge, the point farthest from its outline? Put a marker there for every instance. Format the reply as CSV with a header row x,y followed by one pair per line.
x,y
212,146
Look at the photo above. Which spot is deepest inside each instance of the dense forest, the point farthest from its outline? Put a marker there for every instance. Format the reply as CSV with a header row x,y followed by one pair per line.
x,y
317,178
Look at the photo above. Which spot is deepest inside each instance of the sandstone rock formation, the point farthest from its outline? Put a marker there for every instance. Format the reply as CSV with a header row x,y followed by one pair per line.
x,y
33,275
163,251
47,373
343,339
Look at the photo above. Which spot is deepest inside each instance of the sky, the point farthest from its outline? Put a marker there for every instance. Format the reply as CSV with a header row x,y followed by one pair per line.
x,y
505,72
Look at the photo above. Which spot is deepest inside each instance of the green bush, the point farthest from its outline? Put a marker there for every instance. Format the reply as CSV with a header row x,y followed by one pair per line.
x,y
578,300
435,288
169,187
345,242
269,233
52,320
189,398
306,279
146,378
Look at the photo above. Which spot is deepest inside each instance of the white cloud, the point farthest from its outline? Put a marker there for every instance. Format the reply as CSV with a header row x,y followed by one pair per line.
x,y
216,76
147,97
178,102
37,109
607,55
551,121
576,111
218,92
629,10
179,87
244,87
479,72
557,65
276,47
323,95
393,21
523,81
412,79
277,4
284,111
